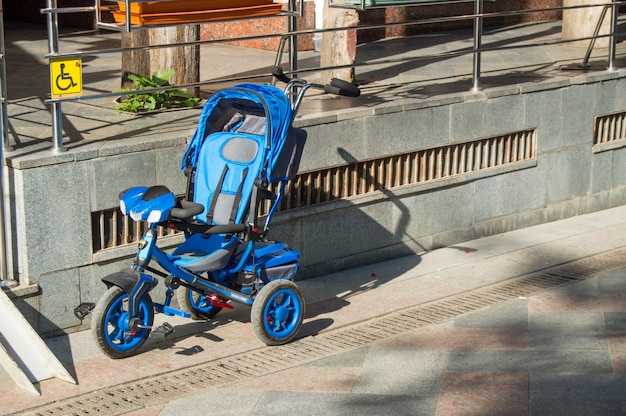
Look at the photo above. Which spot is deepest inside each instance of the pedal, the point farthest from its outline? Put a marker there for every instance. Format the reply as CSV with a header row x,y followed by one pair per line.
x,y
83,310
163,330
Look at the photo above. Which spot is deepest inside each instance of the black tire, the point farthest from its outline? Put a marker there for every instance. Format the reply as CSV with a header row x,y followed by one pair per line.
x,y
109,324
277,312
195,304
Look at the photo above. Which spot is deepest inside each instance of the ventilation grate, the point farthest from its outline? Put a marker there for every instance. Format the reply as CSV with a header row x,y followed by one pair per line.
x,y
609,128
111,229
407,169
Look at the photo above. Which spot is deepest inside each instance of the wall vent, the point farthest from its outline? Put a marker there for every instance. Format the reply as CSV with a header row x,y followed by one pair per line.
x,y
609,128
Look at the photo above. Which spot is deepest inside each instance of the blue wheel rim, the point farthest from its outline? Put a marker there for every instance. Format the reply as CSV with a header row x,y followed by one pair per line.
x,y
281,315
116,331
199,303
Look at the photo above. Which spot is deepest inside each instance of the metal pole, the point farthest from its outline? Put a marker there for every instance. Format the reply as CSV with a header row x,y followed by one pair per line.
x,y
478,34
596,32
293,47
613,39
53,47
4,119
5,281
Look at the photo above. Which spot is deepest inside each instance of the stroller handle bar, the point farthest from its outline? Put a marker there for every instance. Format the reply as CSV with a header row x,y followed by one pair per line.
x,y
337,86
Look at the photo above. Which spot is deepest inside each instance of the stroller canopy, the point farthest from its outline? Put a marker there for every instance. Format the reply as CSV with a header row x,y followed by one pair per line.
x,y
252,108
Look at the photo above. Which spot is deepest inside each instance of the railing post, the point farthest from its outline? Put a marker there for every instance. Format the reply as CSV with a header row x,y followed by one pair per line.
x,y
613,39
293,48
5,281
4,118
53,47
478,34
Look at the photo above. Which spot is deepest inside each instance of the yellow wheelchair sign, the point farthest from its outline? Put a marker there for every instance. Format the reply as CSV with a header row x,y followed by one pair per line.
x,y
66,76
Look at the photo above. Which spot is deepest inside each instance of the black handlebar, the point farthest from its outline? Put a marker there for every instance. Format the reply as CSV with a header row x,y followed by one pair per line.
x,y
278,73
337,86
341,87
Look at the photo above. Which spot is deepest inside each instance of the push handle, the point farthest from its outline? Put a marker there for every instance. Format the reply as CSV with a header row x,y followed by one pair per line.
x,y
337,86
280,75
340,87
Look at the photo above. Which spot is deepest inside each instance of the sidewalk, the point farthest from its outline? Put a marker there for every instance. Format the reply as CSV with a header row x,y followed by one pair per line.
x,y
528,322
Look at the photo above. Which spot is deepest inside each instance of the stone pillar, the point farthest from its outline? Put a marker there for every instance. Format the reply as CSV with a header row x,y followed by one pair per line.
x,y
184,60
578,23
339,48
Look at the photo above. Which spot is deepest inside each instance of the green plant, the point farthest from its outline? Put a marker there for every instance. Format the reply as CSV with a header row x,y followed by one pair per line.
x,y
157,100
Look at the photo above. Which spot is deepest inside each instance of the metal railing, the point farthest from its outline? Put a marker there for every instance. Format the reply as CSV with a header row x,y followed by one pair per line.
x,y
478,17
5,280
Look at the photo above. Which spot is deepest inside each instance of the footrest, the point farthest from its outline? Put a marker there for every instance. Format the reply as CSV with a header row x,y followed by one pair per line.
x,y
169,311
163,330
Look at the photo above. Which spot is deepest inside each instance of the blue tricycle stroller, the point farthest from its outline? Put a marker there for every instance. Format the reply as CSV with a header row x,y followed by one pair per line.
x,y
240,157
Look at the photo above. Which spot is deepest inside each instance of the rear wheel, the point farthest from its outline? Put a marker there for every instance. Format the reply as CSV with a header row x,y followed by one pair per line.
x,y
110,324
196,304
277,312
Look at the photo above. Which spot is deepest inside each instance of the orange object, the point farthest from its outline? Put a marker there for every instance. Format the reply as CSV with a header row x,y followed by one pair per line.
x,y
174,6
197,16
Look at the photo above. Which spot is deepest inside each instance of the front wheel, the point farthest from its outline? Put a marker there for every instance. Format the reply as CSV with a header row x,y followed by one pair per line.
x,y
277,312
110,325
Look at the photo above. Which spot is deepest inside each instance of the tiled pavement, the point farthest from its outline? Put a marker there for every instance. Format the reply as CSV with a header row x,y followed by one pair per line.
x,y
561,352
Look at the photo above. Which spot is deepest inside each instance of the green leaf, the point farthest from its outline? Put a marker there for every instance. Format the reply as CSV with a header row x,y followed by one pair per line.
x,y
157,100
162,78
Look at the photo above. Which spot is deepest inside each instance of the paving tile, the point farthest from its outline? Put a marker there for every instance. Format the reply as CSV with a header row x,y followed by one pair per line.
x,y
576,394
459,339
290,403
587,287
582,387
532,361
484,394
511,316
217,402
402,371
13,398
567,331
353,358
563,302
613,282
617,349
615,321
93,374
309,379
576,408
